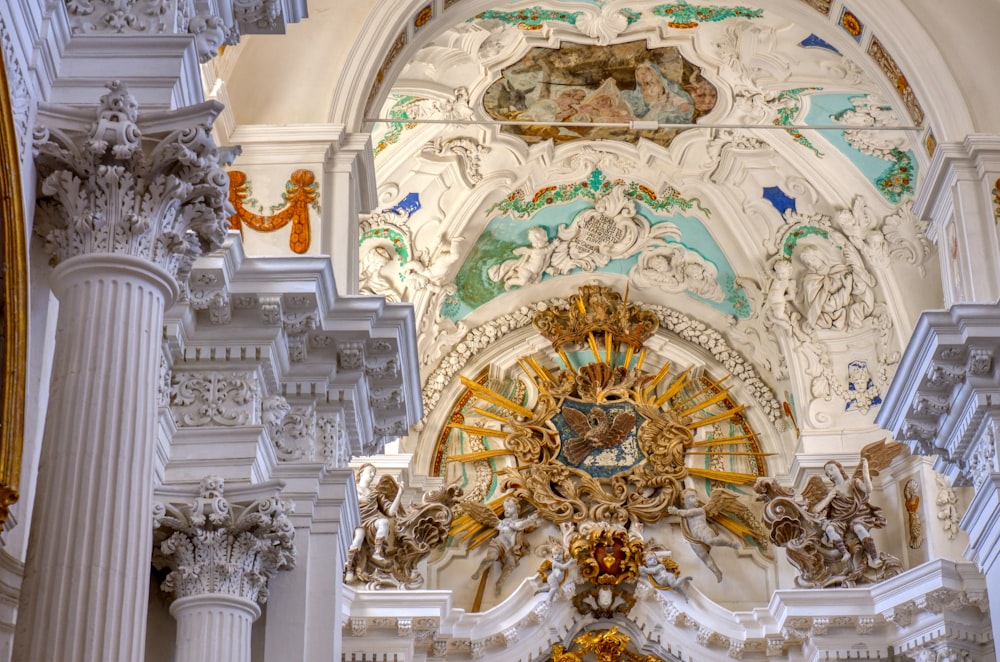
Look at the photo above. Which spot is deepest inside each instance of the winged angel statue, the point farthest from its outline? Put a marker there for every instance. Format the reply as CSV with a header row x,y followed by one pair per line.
x,y
392,538
826,531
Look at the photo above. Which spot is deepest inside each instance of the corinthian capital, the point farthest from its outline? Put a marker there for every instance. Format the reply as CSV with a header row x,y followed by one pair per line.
x,y
151,187
214,545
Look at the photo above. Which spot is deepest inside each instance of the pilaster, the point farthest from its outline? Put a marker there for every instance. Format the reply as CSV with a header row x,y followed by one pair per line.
x,y
349,177
957,195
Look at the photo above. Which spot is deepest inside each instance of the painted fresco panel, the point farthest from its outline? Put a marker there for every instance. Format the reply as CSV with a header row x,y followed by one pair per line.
x,y
587,84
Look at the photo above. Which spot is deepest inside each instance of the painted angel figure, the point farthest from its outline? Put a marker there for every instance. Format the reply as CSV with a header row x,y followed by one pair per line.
x,y
662,577
509,544
843,506
725,509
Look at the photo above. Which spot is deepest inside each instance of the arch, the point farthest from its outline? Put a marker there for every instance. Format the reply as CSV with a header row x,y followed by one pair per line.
x,y
892,22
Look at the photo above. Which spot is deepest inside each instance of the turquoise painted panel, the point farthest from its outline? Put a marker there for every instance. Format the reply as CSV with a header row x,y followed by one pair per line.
x,y
503,234
893,179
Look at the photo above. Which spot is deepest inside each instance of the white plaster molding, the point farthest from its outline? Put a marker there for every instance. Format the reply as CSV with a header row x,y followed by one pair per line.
x,y
945,386
353,358
908,609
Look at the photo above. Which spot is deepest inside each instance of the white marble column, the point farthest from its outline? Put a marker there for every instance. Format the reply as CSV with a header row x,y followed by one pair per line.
x,y
119,223
221,552
213,626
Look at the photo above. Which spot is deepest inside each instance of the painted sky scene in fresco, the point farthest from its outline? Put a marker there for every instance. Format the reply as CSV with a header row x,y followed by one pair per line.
x,y
587,83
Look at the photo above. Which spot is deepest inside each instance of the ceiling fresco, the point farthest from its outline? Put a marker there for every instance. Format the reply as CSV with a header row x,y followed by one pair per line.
x,y
763,240
583,85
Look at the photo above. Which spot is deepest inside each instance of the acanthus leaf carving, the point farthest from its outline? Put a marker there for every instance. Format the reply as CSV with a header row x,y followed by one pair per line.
x,y
214,398
212,545
292,429
103,192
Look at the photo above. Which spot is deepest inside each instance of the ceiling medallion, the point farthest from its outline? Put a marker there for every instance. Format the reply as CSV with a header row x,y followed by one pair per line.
x,y
607,441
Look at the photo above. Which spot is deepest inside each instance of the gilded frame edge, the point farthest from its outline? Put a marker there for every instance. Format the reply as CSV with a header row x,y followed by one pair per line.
x,y
14,319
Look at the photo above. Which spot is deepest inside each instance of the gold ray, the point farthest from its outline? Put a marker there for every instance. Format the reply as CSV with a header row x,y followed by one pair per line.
x,y
608,338
642,357
675,388
657,378
495,398
715,419
481,455
579,303
565,359
723,476
714,385
593,347
480,432
489,414
535,377
719,441
715,399
736,527
628,355
540,369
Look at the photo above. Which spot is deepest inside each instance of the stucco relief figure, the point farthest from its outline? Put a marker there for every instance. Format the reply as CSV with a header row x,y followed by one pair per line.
x,y
827,531
393,539
528,264
838,292
375,277
430,268
845,506
379,505
510,542
674,268
555,571
664,578
780,295
699,533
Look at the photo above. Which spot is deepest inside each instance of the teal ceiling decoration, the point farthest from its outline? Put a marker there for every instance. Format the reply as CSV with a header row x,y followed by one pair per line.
x,y
518,205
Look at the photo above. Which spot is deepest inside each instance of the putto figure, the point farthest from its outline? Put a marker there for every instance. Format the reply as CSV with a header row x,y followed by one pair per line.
x,y
727,510
510,542
826,531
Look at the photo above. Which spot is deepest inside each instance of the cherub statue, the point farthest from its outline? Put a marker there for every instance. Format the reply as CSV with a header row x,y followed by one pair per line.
x,y
553,571
662,577
393,539
509,544
723,507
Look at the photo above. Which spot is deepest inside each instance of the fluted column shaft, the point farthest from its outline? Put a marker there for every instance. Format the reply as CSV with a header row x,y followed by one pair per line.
x,y
86,581
213,626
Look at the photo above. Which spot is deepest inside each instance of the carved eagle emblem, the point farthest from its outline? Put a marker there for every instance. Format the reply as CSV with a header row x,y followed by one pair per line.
x,y
595,430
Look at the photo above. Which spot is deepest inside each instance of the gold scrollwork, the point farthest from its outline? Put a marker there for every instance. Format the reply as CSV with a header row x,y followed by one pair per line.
x,y
606,441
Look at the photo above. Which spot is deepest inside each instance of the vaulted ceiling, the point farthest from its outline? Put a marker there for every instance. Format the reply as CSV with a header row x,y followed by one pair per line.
x,y
719,163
